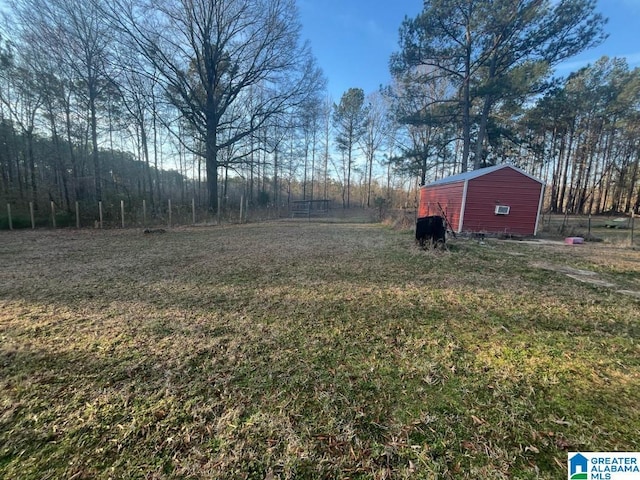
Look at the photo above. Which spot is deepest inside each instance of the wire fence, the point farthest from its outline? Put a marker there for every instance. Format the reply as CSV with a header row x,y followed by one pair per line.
x,y
123,214
168,213
612,228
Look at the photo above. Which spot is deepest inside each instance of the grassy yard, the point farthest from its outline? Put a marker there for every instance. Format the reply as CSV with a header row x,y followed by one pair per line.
x,y
310,350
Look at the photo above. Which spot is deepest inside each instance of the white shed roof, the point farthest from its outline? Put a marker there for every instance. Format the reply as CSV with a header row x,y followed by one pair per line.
x,y
461,177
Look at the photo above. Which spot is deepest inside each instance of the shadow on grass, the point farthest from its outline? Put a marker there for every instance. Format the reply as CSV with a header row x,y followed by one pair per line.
x,y
323,356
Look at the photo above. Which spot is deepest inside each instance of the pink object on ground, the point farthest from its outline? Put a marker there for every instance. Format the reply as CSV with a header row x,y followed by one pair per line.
x,y
574,240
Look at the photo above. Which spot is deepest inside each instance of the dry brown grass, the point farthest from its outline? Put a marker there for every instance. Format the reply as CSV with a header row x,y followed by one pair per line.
x,y
309,350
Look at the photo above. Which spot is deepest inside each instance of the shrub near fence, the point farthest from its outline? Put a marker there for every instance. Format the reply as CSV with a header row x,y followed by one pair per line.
x,y
124,214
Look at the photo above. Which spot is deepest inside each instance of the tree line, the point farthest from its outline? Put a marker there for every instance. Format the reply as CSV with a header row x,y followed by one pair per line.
x,y
193,99
474,86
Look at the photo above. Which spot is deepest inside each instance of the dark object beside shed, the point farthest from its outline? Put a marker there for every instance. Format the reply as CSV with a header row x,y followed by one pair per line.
x,y
501,200
431,229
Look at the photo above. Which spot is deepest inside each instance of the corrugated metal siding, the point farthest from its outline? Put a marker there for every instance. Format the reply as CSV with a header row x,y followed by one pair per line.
x,y
450,198
502,187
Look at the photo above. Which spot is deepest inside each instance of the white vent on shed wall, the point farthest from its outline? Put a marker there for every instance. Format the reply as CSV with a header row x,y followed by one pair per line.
x,y
502,209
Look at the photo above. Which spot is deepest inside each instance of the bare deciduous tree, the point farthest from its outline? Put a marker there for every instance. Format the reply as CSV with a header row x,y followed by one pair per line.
x,y
212,55
79,40
376,129
349,117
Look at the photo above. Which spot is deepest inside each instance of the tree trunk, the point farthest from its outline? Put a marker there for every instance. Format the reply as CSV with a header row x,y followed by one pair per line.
x,y
211,155
313,159
147,166
466,105
482,133
484,117
275,178
369,180
565,170
349,178
59,160
632,186
94,143
32,166
306,166
154,119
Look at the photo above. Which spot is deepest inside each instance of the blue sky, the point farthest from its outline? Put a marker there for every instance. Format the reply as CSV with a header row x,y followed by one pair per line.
x,y
353,39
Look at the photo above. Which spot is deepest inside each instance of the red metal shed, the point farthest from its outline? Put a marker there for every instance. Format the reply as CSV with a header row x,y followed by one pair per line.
x,y
500,199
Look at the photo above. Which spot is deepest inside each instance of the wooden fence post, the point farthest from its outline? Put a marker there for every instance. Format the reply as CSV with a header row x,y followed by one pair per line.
x,y
53,214
193,211
633,221
77,215
122,211
33,218
100,212
144,213
241,206
9,215
169,212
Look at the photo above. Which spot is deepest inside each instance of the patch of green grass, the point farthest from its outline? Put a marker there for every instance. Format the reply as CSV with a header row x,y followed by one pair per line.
x,y
309,350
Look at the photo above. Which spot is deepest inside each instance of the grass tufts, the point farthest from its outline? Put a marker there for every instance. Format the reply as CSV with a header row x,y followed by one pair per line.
x,y
311,350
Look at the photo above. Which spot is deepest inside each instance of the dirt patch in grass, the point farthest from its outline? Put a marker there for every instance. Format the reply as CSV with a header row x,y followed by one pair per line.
x,y
309,350
612,267
586,276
